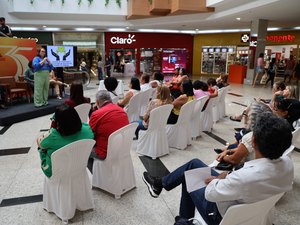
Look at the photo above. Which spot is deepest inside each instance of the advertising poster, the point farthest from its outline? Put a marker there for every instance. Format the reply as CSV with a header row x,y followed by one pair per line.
x,y
61,56
15,55
172,59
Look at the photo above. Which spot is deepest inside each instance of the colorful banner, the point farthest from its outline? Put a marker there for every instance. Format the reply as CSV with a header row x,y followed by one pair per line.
x,y
172,59
15,55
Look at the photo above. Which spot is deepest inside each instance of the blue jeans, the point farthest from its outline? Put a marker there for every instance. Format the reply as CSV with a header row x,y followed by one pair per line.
x,y
189,201
140,127
100,73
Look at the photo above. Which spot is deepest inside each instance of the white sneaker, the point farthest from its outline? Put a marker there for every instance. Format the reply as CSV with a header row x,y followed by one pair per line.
x,y
58,97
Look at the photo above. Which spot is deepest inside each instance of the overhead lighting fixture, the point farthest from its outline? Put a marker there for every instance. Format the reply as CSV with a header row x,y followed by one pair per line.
x,y
84,29
238,18
127,28
272,28
297,28
44,26
52,29
24,28
158,30
188,31
116,29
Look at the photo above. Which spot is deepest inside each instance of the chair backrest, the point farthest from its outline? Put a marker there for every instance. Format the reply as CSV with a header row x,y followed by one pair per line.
x,y
159,117
198,106
115,99
250,214
186,112
10,80
153,94
119,142
145,98
83,111
134,107
296,138
71,159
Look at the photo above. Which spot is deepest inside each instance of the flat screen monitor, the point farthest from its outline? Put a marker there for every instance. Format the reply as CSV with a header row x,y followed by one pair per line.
x,y
204,49
224,50
217,49
62,55
211,50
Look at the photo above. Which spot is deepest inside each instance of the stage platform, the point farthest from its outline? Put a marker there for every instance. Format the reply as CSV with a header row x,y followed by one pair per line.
x,y
24,111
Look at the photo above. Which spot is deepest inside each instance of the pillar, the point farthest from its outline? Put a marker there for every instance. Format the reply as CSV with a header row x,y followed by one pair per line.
x,y
258,36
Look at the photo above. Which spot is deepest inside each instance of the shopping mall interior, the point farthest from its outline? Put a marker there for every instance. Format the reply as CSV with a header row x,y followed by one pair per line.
x,y
139,37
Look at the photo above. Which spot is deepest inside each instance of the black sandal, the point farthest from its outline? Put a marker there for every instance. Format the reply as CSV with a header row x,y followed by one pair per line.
x,y
235,119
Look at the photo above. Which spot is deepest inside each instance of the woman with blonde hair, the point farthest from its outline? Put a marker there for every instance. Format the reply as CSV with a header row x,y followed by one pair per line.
x,y
163,97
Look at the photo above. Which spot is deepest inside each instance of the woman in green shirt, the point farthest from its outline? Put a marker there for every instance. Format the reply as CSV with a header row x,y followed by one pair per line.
x,y
66,128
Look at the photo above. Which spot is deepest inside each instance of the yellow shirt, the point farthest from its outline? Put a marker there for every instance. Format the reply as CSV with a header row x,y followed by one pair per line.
x,y
176,111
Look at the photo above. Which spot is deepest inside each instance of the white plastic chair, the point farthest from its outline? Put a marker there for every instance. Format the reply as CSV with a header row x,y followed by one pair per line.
x,y
115,174
145,98
154,141
179,134
195,119
247,214
206,117
296,138
69,187
134,107
115,99
83,111
119,90
216,108
222,104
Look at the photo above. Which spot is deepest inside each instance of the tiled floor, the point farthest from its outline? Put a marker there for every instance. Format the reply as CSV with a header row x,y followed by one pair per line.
x,y
21,175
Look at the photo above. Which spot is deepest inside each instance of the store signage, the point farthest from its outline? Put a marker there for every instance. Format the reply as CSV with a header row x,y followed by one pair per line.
x,y
119,40
245,38
281,38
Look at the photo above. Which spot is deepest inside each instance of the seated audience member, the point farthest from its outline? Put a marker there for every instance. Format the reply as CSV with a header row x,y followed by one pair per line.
x,y
158,79
222,81
104,121
134,88
76,95
67,129
111,84
212,87
188,95
176,81
254,182
145,85
29,75
163,97
277,91
242,150
57,84
200,89
289,109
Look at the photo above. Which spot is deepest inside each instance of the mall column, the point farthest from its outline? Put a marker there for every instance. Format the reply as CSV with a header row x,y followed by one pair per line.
x,y
257,45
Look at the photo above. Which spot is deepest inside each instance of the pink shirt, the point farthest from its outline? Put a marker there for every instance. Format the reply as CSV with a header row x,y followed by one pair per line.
x,y
260,62
199,93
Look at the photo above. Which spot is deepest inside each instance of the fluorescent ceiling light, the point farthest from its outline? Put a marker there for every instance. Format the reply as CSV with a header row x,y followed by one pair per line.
x,y
188,31
272,28
84,29
44,26
52,29
158,30
238,18
24,28
297,28
116,29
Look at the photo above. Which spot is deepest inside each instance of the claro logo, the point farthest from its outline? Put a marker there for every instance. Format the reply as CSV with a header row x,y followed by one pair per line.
x,y
119,40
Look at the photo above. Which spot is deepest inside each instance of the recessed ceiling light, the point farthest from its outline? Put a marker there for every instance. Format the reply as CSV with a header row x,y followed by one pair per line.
x,y
197,29
127,27
238,18
116,29
84,29
24,28
44,26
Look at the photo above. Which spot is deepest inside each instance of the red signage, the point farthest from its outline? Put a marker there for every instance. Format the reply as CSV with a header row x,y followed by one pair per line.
x,y
281,38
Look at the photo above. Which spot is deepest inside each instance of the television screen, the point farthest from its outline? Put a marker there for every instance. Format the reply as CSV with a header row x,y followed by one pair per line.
x,y
61,56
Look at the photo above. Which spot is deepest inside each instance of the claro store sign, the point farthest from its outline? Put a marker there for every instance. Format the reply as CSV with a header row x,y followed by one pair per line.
x,y
121,40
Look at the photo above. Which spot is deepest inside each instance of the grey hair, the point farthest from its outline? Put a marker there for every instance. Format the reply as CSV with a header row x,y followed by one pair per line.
x,y
103,96
256,108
